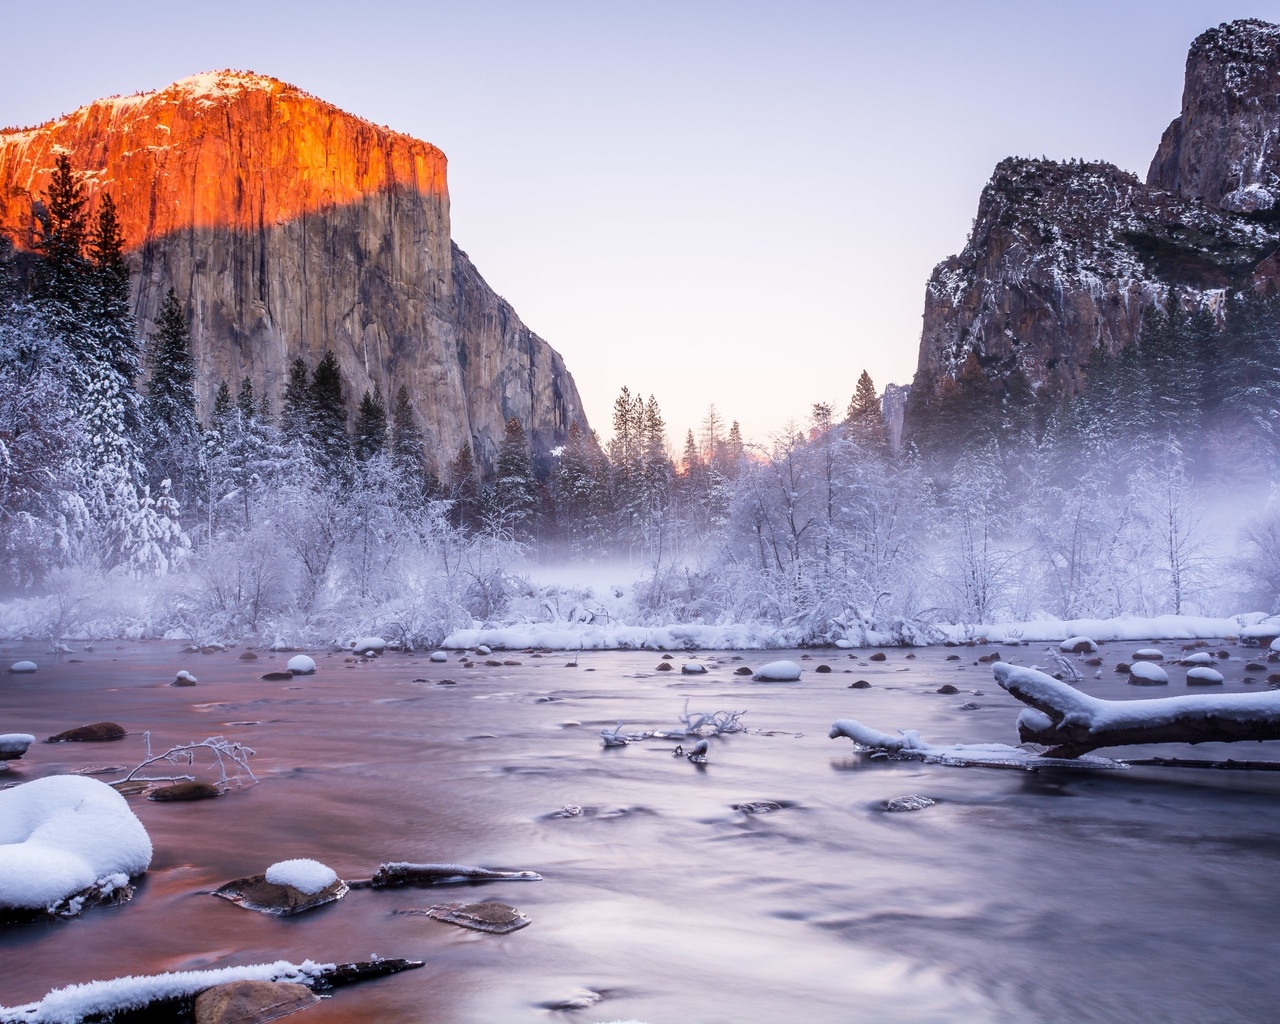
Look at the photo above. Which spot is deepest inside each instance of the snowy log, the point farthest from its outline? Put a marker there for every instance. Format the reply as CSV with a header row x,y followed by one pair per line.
x,y
1072,723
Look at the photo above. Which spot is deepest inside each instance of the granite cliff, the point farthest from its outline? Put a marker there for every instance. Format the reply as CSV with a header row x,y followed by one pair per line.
x,y
289,227
1065,256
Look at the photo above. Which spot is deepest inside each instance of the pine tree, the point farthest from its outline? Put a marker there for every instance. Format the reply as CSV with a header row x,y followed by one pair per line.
x,y
514,496
408,452
331,444
295,416
863,417
169,408
464,488
62,280
371,426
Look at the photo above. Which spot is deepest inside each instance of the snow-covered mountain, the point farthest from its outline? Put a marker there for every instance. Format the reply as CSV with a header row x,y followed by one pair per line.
x,y
288,227
1065,256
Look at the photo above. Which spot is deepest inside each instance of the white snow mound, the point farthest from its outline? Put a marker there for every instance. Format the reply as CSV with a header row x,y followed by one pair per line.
x,y
439,656
303,874
22,666
1275,645
301,665
1204,676
15,742
60,835
366,644
778,672
1072,642
1148,672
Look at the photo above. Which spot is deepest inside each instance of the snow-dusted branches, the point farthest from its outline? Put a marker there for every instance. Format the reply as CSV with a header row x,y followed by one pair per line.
x,y
230,760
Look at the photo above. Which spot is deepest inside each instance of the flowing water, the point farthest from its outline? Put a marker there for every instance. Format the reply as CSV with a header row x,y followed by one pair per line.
x,y
1133,896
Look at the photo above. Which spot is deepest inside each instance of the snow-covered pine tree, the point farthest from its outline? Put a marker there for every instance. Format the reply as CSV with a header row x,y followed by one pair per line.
x,y
513,500
172,447
408,454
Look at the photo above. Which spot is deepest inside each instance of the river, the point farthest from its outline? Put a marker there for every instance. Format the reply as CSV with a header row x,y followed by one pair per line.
x,y
1135,896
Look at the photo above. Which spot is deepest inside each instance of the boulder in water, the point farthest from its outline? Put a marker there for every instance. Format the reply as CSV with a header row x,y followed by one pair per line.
x,y
777,672
99,732
301,665
22,667
251,1002
493,917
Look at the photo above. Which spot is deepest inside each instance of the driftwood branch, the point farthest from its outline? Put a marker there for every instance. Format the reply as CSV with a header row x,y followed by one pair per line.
x,y
1072,723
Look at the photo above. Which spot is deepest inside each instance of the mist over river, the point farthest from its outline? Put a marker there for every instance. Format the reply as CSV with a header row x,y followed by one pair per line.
x,y
1134,896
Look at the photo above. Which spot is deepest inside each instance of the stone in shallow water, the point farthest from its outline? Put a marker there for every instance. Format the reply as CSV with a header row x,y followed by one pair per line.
x,y
251,1002
301,665
277,676
185,791
98,732
758,807
911,802
19,667
493,917
256,893
948,688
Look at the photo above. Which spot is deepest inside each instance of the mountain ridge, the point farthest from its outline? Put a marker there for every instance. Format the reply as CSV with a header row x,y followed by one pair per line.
x,y
289,227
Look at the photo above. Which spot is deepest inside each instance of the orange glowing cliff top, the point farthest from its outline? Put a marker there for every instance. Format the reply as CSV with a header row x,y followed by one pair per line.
x,y
220,149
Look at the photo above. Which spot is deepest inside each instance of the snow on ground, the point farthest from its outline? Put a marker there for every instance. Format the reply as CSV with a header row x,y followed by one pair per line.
x,y
303,874
62,834
96,999
765,636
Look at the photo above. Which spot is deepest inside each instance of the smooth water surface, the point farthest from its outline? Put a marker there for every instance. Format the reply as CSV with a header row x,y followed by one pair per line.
x,y
1133,896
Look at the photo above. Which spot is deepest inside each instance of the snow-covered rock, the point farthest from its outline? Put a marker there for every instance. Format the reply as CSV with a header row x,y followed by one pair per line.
x,y
19,667
14,744
484,649
62,835
1149,654
1275,645
1078,645
438,656
184,678
305,875
1201,676
301,665
1145,673
1199,658
369,645
844,644
777,672
693,668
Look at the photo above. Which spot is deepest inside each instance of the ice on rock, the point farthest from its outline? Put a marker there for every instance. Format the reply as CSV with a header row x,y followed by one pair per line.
x,y
305,875
61,835
778,672
14,744
301,665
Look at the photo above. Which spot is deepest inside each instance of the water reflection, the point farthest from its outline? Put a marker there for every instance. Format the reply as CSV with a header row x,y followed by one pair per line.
x,y
1142,897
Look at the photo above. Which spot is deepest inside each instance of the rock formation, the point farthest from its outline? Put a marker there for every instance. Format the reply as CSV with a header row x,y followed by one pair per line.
x,y
1065,256
289,227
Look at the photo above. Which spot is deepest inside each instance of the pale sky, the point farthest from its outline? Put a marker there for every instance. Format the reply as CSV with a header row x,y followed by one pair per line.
x,y
735,203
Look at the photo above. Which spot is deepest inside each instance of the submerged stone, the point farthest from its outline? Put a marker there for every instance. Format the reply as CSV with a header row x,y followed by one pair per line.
x,y
495,918
256,893
251,1002
185,791
96,733
911,802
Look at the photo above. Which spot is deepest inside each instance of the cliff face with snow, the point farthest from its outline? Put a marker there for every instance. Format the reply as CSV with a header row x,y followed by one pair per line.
x,y
1063,257
289,227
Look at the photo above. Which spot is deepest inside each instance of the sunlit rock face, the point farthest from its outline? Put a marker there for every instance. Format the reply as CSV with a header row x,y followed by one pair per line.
x,y
290,227
1064,256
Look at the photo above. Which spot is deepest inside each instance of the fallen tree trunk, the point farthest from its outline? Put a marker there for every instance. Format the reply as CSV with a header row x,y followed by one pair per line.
x,y
1072,723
